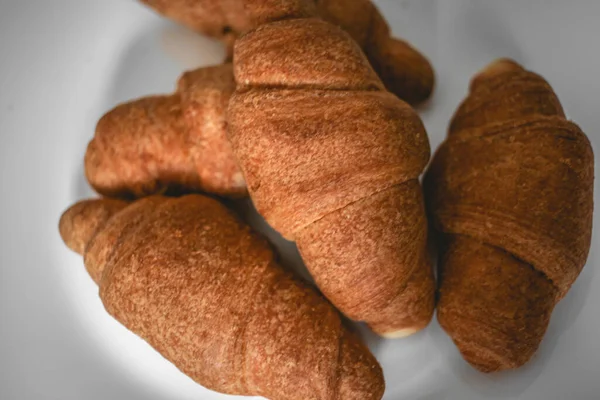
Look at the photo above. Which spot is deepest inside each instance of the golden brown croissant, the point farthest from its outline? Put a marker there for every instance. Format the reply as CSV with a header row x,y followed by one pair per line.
x,y
162,143
404,70
202,289
511,190
332,161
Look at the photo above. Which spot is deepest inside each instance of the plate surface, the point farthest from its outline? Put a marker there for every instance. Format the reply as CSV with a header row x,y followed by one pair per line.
x,y
65,62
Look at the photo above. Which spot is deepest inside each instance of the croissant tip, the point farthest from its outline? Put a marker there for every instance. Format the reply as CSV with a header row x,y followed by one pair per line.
x,y
493,69
402,333
489,360
499,66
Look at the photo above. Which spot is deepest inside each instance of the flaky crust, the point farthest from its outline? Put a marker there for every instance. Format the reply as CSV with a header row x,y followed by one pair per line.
x,y
174,143
332,161
511,189
202,289
405,71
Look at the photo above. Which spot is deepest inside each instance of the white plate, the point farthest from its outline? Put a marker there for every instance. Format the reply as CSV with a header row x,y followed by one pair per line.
x,y
63,63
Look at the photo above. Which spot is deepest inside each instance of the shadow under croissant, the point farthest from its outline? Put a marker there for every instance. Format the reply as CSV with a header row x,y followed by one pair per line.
x,y
289,256
287,252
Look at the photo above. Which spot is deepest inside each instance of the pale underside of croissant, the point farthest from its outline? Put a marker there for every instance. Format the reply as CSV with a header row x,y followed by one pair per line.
x,y
168,143
404,70
511,191
332,161
202,289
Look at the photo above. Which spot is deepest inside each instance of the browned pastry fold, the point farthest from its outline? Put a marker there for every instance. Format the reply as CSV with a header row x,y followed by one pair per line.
x,y
194,282
332,161
511,191
405,71
175,142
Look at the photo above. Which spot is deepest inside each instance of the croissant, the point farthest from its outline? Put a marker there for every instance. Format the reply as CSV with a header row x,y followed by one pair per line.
x,y
194,282
168,143
405,71
332,161
511,191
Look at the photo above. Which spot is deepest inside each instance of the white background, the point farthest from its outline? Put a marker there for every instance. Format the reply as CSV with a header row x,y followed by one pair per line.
x,y
63,63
